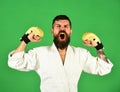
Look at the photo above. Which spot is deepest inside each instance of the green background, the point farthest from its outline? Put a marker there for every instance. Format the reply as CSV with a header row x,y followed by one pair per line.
x,y
99,16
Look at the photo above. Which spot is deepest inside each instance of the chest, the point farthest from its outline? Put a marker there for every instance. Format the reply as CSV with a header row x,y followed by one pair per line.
x,y
52,66
62,56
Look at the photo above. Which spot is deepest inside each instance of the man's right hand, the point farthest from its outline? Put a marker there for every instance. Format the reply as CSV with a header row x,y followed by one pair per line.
x,y
33,34
34,38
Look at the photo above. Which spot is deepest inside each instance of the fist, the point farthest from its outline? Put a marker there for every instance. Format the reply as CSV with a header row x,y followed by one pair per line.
x,y
35,34
90,39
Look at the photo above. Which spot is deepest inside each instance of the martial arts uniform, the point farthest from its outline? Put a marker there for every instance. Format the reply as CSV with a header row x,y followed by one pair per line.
x,y
56,76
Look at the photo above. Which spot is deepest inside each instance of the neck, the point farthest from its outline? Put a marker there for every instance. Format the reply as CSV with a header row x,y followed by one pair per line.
x,y
62,50
62,53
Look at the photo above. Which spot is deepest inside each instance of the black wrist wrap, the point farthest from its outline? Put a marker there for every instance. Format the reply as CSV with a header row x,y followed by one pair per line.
x,y
25,38
99,46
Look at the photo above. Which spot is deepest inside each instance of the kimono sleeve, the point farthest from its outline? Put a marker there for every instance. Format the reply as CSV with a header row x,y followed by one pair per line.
x,y
23,61
95,65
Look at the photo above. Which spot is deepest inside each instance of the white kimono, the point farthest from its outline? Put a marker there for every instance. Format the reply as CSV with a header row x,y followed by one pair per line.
x,y
56,77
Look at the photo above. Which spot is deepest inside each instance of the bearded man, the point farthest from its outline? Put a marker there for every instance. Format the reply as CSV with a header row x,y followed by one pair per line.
x,y
59,65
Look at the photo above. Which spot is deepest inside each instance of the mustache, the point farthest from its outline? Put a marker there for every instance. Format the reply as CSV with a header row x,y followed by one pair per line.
x,y
62,31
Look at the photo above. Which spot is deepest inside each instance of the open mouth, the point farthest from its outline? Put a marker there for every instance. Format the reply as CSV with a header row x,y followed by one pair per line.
x,y
62,35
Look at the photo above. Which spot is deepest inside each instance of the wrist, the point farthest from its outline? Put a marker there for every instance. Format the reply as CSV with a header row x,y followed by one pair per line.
x,y
25,38
99,46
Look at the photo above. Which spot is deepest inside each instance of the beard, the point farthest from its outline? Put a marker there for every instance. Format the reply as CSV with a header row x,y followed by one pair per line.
x,y
61,40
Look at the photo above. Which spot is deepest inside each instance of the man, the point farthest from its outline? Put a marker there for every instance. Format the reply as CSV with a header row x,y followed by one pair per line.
x,y
60,65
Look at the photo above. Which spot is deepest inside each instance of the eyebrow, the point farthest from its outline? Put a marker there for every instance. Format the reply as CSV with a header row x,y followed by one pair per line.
x,y
64,25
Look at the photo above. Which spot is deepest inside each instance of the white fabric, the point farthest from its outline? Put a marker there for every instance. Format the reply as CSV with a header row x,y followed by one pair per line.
x,y
56,77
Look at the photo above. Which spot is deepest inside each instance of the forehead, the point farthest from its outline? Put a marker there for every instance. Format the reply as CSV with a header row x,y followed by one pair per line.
x,y
64,22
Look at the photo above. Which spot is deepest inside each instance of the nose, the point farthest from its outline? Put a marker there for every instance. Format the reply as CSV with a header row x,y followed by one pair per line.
x,y
62,28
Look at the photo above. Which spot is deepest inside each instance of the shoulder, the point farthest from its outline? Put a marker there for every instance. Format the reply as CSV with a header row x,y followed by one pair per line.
x,y
41,48
80,49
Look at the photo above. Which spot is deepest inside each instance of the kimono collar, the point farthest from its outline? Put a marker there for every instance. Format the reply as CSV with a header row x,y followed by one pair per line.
x,y
53,47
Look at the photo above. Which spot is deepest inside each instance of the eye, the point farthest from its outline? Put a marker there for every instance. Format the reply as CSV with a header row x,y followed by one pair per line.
x,y
58,26
66,26
94,39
